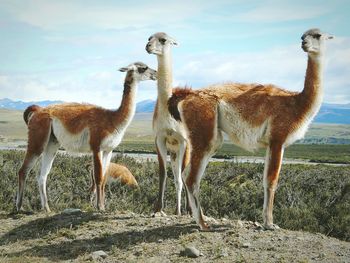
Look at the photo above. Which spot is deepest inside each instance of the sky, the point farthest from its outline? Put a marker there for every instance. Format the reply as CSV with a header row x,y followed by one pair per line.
x,y
71,50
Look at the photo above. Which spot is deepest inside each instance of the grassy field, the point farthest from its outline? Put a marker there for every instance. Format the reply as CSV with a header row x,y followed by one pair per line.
x,y
139,138
12,127
329,130
310,198
314,152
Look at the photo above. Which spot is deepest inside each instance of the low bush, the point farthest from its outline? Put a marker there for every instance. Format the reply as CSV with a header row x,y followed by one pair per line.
x,y
310,198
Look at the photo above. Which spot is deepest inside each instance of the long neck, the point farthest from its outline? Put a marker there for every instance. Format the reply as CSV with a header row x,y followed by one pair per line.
x,y
128,105
165,78
312,94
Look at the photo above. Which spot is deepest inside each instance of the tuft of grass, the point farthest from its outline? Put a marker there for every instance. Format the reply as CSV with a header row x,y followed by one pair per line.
x,y
326,153
309,198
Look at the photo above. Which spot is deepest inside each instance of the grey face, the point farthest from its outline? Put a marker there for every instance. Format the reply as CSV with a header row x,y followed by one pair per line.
x,y
140,71
313,41
158,43
144,72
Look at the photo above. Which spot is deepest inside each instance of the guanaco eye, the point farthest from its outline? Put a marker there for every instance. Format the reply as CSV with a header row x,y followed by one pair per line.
x,y
149,38
317,36
162,40
142,70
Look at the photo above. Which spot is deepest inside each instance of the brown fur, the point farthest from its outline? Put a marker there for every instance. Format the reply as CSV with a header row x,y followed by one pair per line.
x,y
117,172
256,103
74,118
39,130
286,116
186,159
271,175
200,111
178,95
101,122
286,111
29,111
122,173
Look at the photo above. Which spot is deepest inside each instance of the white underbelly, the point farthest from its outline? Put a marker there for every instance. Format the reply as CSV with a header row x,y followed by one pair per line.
x,y
241,132
112,141
71,142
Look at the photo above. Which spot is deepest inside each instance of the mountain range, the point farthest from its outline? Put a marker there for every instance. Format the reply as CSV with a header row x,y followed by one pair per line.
x,y
21,105
329,113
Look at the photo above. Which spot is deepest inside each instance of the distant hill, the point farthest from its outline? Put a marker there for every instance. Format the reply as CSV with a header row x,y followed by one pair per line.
x,y
334,113
21,105
13,130
145,106
329,113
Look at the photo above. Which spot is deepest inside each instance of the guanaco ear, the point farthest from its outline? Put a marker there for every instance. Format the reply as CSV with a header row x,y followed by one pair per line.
x,y
329,36
130,67
173,41
123,69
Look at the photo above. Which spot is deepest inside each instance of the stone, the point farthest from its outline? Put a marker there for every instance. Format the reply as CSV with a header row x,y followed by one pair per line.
x,y
257,224
240,223
190,252
70,211
246,245
99,254
223,253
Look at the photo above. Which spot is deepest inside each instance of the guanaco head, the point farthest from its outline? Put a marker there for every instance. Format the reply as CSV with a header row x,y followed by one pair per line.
x,y
313,41
159,43
140,71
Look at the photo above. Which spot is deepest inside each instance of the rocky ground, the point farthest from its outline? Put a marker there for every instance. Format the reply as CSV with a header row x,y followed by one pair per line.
x,y
76,236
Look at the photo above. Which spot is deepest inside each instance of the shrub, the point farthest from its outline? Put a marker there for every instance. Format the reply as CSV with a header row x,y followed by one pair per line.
x,y
310,198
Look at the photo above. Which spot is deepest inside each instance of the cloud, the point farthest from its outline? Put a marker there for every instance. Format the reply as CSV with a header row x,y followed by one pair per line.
x,y
337,71
68,88
104,88
280,11
282,66
79,46
50,14
271,66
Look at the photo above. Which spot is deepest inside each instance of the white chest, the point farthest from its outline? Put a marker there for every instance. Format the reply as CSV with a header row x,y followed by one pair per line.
x,y
298,133
166,122
171,130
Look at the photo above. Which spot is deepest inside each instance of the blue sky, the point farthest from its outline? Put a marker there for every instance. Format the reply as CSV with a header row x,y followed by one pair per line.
x,y
71,50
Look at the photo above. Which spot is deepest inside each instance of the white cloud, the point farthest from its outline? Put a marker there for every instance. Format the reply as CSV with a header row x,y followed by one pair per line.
x,y
283,66
51,14
101,88
279,11
121,30
262,67
37,87
337,71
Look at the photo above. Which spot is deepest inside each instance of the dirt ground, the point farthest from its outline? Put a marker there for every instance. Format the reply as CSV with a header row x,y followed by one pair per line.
x,y
128,237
